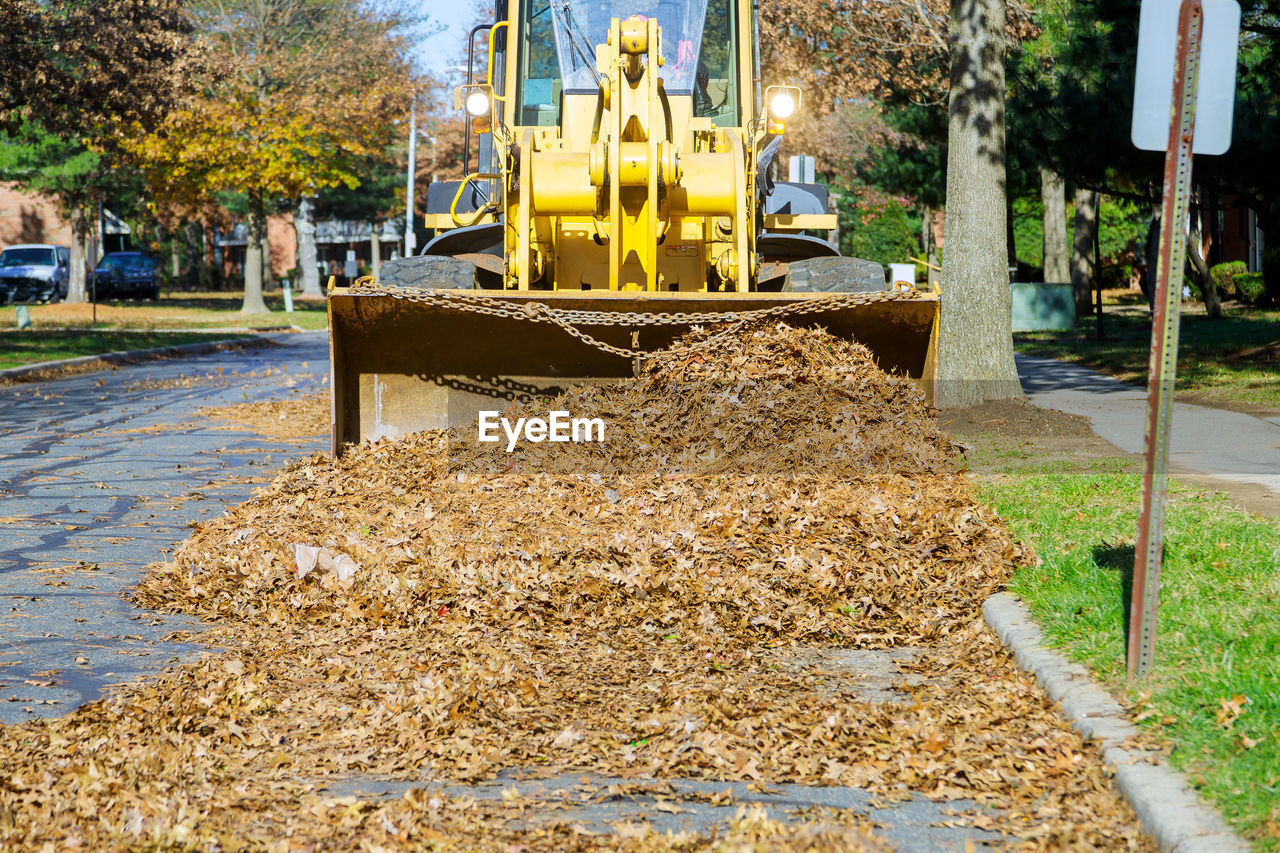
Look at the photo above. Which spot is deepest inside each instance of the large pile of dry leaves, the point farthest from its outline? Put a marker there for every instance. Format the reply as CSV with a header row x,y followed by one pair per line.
x,y
436,608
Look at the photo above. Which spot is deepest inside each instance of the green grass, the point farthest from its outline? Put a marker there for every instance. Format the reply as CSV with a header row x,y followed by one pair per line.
x,y
1203,352
173,311
1219,627
32,346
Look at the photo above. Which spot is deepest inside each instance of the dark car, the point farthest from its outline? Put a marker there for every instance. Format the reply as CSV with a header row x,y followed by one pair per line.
x,y
127,274
34,272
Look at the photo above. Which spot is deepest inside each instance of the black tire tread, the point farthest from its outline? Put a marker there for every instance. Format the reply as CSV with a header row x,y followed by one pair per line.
x,y
428,272
834,275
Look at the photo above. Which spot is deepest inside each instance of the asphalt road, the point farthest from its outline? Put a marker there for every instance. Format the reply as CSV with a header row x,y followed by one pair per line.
x,y
100,474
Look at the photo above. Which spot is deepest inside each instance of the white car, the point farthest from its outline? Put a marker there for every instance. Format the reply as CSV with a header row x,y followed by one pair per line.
x,y
34,272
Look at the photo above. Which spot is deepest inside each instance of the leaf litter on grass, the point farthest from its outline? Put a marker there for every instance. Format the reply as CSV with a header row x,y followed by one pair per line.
x,y
603,607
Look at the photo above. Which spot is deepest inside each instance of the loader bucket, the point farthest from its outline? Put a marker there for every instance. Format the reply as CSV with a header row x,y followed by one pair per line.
x,y
400,365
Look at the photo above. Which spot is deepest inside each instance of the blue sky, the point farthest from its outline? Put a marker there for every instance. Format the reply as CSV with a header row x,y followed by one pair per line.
x,y
439,51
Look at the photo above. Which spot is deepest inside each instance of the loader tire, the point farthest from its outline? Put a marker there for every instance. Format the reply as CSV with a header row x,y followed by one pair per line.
x,y
428,272
834,275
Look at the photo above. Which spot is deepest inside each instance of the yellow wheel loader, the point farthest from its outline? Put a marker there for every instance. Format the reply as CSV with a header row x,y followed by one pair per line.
x,y
623,192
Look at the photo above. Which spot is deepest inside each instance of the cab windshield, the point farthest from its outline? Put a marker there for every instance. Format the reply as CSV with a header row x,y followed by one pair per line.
x,y
580,25
559,41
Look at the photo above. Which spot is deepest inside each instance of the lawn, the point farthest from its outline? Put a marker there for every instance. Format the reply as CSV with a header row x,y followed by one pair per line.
x,y
36,345
210,310
1208,370
1214,694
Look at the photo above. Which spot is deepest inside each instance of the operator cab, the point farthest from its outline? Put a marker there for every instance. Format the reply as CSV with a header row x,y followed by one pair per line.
x,y
557,54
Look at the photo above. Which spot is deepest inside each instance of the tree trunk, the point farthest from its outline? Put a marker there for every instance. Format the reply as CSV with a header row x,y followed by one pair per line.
x,y
375,247
195,255
253,303
268,268
1268,219
1199,270
1082,271
975,359
308,272
931,249
219,260
1011,244
1057,268
175,258
1151,254
77,276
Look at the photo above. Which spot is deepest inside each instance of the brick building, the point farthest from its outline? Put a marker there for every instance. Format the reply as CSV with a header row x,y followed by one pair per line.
x,y
26,218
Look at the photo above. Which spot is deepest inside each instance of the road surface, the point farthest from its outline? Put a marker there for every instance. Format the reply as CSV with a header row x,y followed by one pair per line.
x,y
100,474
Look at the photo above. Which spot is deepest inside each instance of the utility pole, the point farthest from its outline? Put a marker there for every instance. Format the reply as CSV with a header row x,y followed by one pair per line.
x,y
410,239
102,234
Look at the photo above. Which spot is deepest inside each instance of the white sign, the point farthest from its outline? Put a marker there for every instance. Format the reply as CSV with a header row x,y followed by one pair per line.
x,y
800,169
1153,85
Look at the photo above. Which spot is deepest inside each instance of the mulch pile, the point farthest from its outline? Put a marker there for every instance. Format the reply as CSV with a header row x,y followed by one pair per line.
x,y
437,608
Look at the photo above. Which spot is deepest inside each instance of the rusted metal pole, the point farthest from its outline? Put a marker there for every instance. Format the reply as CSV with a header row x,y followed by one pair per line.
x,y
1149,551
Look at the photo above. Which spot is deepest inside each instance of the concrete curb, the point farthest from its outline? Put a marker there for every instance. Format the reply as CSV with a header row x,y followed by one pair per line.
x,y
1169,809
18,374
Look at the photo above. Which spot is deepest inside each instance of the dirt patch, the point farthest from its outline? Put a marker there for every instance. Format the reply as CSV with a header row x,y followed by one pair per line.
x,y
1265,354
1015,419
1248,496
1013,435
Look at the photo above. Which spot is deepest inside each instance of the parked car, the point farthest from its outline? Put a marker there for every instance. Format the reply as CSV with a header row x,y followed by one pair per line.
x,y
127,274
34,272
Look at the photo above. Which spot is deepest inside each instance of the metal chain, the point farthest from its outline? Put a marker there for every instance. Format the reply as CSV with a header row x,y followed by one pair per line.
x,y
569,319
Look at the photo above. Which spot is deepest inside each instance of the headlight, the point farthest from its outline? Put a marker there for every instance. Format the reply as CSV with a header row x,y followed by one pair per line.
x,y
782,105
478,104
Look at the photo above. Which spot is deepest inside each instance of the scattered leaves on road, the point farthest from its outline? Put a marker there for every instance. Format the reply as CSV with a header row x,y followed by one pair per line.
x,y
296,417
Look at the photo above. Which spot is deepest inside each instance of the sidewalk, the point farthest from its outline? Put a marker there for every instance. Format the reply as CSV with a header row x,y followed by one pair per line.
x,y
1213,442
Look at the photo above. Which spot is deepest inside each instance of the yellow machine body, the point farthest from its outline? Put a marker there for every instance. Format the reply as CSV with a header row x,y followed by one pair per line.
x,y
623,177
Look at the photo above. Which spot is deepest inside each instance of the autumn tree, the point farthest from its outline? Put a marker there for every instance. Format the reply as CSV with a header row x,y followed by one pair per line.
x,y
76,64
843,50
927,52
311,87
76,77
